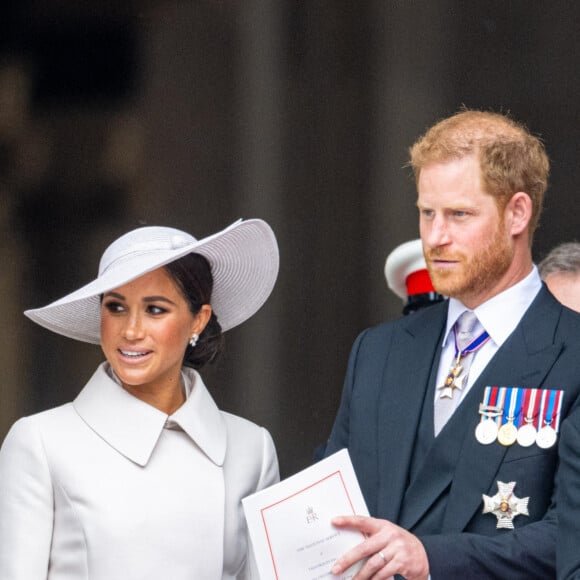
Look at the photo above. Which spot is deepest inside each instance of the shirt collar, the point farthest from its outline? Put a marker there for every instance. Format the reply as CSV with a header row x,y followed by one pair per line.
x,y
501,314
133,427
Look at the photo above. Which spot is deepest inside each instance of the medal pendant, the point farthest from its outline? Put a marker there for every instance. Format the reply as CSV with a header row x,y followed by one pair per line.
x,y
446,393
526,435
453,381
486,431
507,434
546,437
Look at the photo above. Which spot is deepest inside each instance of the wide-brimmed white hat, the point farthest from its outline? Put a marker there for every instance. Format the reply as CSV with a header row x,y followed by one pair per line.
x,y
244,262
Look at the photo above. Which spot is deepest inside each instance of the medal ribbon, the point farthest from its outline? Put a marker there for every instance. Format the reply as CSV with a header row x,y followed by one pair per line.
x,y
513,395
493,396
553,407
501,395
542,413
528,404
558,408
474,345
535,412
488,409
486,398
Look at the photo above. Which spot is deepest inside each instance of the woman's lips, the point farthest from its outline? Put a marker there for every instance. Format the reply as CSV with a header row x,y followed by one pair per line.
x,y
132,355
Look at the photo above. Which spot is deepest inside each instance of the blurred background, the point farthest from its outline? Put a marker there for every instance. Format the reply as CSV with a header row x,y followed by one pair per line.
x,y
195,113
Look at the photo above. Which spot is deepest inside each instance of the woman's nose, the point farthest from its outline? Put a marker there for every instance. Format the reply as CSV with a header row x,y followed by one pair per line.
x,y
133,329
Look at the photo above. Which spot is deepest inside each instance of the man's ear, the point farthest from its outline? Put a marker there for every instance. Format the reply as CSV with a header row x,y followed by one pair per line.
x,y
519,212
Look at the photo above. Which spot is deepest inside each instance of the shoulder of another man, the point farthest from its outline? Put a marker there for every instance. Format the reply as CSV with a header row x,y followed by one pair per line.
x,y
568,319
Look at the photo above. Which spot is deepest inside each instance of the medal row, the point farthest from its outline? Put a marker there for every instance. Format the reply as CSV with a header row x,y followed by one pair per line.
x,y
519,415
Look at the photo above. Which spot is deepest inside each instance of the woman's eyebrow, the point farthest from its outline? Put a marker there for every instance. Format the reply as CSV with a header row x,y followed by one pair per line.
x,y
145,299
158,299
114,295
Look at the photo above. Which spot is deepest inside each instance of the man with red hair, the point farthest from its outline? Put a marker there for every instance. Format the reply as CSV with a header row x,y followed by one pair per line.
x,y
451,416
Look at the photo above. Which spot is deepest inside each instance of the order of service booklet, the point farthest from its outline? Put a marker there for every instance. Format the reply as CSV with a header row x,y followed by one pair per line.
x,y
290,522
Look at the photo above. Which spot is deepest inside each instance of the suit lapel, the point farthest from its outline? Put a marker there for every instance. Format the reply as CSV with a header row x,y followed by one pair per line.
x,y
456,457
415,348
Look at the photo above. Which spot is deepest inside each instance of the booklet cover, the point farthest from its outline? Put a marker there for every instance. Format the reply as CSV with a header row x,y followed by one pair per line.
x,y
290,522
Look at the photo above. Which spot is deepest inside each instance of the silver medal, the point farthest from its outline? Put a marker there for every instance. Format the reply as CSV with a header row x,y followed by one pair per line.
x,y
486,431
527,435
546,437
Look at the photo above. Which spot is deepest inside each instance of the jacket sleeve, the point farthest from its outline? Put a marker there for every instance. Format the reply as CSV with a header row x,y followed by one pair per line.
x,y
26,505
527,553
568,553
340,434
269,473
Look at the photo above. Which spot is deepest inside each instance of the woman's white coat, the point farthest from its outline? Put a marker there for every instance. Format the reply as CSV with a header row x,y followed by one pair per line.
x,y
109,488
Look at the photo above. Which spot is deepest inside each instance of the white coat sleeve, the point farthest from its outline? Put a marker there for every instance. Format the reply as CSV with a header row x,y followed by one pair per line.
x,y
26,505
269,475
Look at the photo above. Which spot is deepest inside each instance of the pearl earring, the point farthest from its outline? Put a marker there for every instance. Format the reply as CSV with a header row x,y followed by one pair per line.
x,y
193,340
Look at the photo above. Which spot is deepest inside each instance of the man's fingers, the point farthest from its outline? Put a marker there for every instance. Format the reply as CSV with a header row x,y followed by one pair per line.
x,y
364,524
368,548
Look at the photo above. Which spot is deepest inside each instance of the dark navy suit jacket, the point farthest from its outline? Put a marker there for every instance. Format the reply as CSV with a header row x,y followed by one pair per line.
x,y
438,496
568,551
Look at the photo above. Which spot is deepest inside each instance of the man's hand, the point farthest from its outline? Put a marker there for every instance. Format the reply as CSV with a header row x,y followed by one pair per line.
x,y
390,550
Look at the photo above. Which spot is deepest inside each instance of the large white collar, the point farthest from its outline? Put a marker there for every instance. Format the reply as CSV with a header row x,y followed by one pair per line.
x,y
133,427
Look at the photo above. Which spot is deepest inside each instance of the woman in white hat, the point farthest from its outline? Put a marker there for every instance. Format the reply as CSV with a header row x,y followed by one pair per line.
x,y
141,477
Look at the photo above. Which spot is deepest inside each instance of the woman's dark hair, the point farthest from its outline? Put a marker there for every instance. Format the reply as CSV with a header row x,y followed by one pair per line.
x,y
193,277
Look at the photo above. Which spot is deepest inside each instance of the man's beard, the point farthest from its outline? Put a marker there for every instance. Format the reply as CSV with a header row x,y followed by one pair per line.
x,y
474,275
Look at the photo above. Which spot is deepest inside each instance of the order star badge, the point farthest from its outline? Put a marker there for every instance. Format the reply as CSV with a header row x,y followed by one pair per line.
x,y
505,505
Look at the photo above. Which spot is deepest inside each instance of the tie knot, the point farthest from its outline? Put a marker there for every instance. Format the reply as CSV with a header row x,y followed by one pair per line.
x,y
466,326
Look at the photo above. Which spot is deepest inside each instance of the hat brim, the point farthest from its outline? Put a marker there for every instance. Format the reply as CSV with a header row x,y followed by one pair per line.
x,y
402,261
244,261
